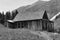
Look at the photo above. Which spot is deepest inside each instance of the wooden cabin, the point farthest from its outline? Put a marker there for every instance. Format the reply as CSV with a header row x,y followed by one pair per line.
x,y
33,21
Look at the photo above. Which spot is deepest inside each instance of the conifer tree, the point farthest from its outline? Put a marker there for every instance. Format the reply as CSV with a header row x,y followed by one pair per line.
x,y
14,13
8,15
2,18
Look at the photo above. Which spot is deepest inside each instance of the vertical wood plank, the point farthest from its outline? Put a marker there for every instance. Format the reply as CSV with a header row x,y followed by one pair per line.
x,y
7,24
33,25
47,25
38,25
53,26
20,25
28,25
41,24
17,24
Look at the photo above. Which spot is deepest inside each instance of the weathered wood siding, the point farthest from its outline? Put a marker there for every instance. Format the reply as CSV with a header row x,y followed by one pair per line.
x,y
22,24
50,26
33,25
47,25
10,25
29,24
44,25
39,25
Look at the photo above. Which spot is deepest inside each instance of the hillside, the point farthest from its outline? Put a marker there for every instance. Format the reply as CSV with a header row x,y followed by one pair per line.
x,y
52,7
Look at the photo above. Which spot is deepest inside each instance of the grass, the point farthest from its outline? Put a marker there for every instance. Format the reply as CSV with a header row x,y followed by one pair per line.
x,y
20,34
26,34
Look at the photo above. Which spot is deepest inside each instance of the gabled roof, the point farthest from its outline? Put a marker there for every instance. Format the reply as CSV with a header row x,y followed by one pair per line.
x,y
29,16
45,16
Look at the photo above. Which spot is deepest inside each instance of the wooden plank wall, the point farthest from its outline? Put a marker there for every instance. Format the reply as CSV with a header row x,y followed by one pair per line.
x,y
29,24
44,25
50,26
39,25
33,25
23,24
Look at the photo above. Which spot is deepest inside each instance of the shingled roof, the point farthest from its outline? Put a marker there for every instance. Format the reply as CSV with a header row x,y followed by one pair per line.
x,y
28,16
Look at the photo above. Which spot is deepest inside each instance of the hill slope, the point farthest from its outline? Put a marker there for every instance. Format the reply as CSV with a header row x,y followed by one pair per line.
x,y
52,7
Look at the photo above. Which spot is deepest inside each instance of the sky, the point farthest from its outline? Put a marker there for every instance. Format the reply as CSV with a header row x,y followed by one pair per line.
x,y
9,5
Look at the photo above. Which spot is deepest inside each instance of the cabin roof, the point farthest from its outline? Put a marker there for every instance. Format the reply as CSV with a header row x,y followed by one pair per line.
x,y
28,16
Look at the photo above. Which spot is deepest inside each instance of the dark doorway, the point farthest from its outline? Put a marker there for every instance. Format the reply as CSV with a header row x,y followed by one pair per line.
x,y
44,25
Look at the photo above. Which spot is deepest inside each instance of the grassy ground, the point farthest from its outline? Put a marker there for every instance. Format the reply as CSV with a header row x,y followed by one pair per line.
x,y
22,34
26,34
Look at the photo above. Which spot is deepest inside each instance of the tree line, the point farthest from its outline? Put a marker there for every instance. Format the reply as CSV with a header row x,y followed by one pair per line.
x,y
7,16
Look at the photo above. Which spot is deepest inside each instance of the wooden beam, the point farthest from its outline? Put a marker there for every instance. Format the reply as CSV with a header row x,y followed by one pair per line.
x,y
17,24
34,25
20,25
47,23
7,24
40,24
